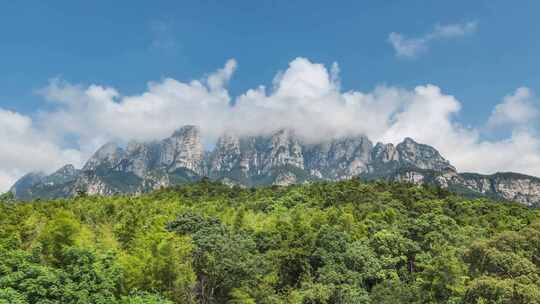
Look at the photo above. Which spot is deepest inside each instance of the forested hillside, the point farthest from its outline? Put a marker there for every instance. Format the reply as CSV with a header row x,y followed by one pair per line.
x,y
339,242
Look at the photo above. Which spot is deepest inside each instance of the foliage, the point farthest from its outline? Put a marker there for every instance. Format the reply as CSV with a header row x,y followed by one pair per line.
x,y
344,242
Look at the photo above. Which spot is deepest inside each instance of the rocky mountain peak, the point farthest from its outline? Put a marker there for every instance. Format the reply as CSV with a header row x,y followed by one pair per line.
x,y
63,175
27,182
226,155
140,158
109,154
67,171
421,156
285,149
283,134
340,158
228,142
184,149
409,141
186,131
278,158
106,151
134,147
385,153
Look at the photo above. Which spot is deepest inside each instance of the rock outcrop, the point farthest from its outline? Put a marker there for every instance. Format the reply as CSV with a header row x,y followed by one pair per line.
x,y
280,158
183,150
339,159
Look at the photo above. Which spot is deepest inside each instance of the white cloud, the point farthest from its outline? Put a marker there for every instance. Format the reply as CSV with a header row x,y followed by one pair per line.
x,y
412,47
520,109
24,149
407,47
306,97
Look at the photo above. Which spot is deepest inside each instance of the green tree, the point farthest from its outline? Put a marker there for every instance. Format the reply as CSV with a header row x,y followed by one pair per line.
x,y
223,260
59,233
144,298
10,296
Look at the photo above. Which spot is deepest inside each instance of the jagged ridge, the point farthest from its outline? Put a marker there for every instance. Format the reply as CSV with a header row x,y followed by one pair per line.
x,y
280,158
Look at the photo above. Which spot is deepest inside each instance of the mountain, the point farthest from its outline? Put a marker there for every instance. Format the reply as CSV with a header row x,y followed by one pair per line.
x,y
280,158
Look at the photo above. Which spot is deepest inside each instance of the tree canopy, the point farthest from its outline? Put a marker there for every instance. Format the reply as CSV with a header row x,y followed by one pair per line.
x,y
341,242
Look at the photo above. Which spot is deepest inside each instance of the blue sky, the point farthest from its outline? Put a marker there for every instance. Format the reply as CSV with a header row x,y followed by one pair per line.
x,y
127,44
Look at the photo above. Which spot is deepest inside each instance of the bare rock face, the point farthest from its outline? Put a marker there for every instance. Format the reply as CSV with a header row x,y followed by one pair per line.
x,y
140,158
446,179
255,157
183,149
421,156
409,154
520,188
91,184
410,177
339,159
280,158
137,168
226,156
252,153
385,153
284,149
502,186
108,156
66,172
23,187
481,184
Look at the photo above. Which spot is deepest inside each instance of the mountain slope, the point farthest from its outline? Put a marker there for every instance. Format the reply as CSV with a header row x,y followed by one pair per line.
x,y
280,158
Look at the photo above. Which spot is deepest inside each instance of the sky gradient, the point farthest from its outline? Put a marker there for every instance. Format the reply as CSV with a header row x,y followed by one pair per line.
x,y
472,65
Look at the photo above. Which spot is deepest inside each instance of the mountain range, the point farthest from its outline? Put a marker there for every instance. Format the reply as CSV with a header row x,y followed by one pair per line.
x,y
280,158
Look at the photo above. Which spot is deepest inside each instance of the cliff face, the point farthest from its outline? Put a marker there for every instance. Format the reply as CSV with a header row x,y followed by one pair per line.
x,y
255,160
339,159
508,186
280,158
502,186
226,156
421,156
183,150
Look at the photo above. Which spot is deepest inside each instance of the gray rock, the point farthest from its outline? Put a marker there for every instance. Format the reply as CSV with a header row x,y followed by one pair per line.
x,y
339,159
140,158
421,156
284,149
226,156
280,158
108,156
385,153
23,187
183,149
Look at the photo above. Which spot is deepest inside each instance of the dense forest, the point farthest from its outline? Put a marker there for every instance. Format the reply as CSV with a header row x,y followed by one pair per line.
x,y
343,242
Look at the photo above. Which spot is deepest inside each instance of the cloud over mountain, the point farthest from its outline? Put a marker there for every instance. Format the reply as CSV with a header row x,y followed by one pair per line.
x,y
23,148
306,97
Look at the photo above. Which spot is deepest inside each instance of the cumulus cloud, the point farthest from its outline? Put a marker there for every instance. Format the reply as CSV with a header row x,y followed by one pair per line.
x,y
411,47
519,109
23,149
306,97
